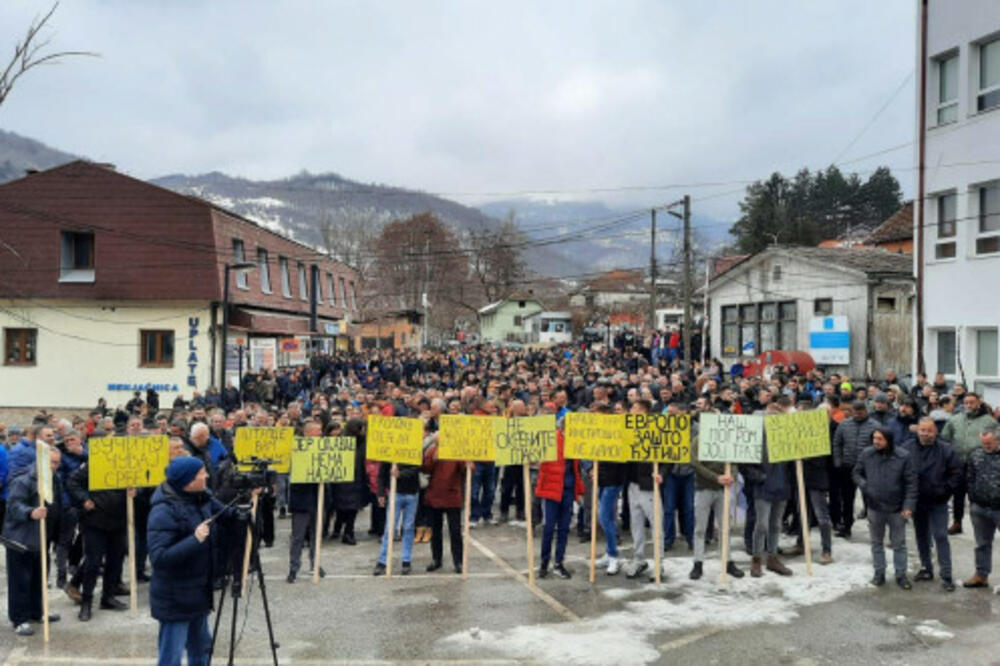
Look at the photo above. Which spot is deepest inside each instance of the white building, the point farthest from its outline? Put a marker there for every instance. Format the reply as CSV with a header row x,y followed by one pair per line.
x,y
962,191
551,328
780,298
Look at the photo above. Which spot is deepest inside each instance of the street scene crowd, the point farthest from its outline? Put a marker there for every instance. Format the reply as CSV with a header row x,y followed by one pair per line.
x,y
924,451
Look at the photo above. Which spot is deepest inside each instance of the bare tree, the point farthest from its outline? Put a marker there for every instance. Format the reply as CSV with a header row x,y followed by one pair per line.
x,y
495,260
350,239
29,53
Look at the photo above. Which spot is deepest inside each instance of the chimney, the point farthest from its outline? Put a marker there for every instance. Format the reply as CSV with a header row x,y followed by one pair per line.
x,y
105,165
30,171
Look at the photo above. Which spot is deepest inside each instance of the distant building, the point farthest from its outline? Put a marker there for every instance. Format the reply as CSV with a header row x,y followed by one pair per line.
x,y
961,207
851,309
504,321
110,284
549,327
392,330
612,290
896,233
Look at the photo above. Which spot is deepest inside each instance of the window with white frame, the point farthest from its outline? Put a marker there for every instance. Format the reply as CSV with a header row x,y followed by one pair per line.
x,y
240,257
286,280
988,236
945,247
303,285
986,352
947,88
264,268
946,351
988,95
343,293
330,289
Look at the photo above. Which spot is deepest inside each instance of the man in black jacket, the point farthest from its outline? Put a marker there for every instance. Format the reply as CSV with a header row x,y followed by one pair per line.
x,y
302,501
102,518
407,492
983,481
939,473
888,480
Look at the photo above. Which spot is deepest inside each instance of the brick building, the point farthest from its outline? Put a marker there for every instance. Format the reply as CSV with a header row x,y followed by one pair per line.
x,y
109,284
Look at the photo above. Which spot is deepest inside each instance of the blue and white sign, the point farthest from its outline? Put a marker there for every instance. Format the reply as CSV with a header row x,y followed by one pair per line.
x,y
830,340
749,348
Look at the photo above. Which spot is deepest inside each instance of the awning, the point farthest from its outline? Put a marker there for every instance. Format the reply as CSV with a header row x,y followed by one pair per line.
x,y
255,321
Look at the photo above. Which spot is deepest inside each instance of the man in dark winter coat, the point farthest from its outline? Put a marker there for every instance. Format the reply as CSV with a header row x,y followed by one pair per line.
x,y
181,542
983,480
852,436
302,501
939,473
887,477
771,490
24,570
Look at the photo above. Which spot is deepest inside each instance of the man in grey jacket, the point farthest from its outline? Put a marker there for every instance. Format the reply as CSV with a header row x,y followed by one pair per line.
x,y
887,478
852,436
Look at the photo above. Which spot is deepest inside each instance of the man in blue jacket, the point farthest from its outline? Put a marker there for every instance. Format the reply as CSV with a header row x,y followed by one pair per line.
x,y
181,542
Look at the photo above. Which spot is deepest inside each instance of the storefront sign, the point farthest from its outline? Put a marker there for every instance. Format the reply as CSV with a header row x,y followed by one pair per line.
x,y
332,329
830,340
125,386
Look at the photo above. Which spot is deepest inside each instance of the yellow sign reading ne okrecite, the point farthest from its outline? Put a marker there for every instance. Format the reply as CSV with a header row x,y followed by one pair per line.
x,y
531,439
797,435
662,438
396,439
596,437
466,437
323,460
267,443
138,461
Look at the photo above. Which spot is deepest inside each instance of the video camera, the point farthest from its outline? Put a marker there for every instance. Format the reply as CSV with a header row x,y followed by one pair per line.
x,y
259,474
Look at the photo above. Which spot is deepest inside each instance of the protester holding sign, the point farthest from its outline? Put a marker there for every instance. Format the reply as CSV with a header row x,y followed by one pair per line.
x,y
302,500
24,569
640,498
560,486
712,483
349,496
771,490
443,498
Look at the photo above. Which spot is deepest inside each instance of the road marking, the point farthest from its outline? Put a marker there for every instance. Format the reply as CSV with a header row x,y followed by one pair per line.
x,y
519,577
19,656
688,639
442,577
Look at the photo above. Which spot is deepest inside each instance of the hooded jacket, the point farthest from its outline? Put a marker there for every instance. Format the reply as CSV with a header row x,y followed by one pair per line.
x,y
887,478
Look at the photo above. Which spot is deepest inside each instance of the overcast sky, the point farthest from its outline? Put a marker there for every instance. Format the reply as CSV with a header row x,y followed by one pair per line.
x,y
477,97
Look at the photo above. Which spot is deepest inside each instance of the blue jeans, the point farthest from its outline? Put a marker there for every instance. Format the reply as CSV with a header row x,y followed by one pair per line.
x,y
406,511
176,637
678,493
558,516
482,491
607,504
931,522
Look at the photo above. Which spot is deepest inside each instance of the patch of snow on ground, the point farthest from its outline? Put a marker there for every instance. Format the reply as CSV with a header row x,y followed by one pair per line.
x,y
934,630
627,636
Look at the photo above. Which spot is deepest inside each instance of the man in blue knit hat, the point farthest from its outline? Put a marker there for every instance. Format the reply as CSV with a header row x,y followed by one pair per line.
x,y
182,542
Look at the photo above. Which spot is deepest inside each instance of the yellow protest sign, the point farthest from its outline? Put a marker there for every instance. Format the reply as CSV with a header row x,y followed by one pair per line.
x,y
797,435
596,436
395,439
531,439
138,461
465,437
267,443
322,460
662,438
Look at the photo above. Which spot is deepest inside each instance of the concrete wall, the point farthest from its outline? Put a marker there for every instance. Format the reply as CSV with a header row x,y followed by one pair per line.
x,y
83,347
960,156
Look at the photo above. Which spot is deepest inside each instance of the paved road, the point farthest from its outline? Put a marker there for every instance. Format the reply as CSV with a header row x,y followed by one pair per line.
x,y
495,617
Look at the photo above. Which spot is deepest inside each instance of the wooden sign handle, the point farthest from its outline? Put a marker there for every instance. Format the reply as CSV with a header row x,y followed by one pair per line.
x,y
391,521
726,492
593,523
657,523
804,516
529,524
466,532
43,540
319,533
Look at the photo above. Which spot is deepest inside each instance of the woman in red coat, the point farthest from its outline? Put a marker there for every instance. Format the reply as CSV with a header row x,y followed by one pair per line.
x,y
443,497
559,486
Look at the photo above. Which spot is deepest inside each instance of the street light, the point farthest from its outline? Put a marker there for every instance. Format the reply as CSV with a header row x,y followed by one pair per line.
x,y
239,267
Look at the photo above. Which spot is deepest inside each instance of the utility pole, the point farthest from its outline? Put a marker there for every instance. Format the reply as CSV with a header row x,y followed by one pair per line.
x,y
687,278
652,270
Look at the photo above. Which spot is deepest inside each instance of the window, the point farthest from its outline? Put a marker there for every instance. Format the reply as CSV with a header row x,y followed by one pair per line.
x,y
76,262
265,270
239,257
988,240
946,222
286,280
947,89
776,274
343,293
520,304
303,287
885,304
518,320
823,307
986,352
768,326
730,330
354,297
330,290
157,349
750,329
946,351
989,76
20,346
788,327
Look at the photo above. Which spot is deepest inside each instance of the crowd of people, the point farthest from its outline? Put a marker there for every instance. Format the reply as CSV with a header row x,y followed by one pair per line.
x,y
915,452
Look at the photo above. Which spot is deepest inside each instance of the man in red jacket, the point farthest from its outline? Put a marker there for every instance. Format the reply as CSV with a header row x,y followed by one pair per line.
x,y
443,497
559,486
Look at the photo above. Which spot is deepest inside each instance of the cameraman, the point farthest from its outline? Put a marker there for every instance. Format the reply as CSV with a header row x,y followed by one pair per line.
x,y
181,541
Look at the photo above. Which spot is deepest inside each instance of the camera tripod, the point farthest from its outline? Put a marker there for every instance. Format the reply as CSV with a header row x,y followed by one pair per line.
x,y
243,561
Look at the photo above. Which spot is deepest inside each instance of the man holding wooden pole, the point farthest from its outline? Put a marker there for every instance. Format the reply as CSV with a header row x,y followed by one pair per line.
x,y
713,480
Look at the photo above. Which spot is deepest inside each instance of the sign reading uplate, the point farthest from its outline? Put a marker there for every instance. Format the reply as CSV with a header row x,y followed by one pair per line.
x,y
830,340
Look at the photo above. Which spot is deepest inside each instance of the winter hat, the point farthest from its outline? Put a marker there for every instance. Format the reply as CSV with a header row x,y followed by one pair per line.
x,y
181,471
882,398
